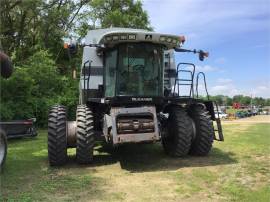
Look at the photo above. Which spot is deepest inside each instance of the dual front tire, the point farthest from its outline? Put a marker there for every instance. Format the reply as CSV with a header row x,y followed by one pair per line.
x,y
204,129
57,135
178,133
188,131
185,132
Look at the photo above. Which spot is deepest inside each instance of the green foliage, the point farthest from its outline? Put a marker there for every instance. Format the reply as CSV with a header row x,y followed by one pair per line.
x,y
246,100
32,33
34,87
16,96
27,26
108,13
121,13
243,100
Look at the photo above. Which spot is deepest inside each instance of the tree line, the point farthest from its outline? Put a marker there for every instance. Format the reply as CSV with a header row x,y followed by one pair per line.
x,y
242,99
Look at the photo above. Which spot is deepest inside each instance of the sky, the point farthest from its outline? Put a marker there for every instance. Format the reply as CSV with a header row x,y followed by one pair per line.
x,y
236,33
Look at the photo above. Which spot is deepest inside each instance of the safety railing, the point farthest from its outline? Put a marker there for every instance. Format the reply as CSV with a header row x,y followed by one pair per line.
x,y
183,81
197,84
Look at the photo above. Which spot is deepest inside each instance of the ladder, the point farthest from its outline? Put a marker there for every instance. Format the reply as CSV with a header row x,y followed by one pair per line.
x,y
211,105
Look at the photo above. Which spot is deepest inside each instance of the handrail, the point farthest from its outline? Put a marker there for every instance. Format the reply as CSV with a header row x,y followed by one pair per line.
x,y
205,86
88,79
192,72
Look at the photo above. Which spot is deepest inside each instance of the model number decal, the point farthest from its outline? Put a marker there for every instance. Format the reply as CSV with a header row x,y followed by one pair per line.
x,y
136,99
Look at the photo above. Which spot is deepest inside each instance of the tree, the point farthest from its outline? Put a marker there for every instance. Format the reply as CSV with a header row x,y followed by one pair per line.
x,y
15,99
32,33
27,26
34,87
114,13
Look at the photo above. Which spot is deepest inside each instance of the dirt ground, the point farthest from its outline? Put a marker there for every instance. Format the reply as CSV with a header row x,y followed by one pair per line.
x,y
253,119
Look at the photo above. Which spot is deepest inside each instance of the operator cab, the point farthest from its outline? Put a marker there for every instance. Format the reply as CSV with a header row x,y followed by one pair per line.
x,y
134,69
130,63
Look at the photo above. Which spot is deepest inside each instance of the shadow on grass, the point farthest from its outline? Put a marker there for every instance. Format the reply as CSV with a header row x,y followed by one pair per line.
x,y
147,158
133,157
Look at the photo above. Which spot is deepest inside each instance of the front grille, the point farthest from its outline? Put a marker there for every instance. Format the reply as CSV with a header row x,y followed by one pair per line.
x,y
135,124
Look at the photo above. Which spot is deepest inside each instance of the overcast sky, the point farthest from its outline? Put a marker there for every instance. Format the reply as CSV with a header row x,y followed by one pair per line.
x,y
235,32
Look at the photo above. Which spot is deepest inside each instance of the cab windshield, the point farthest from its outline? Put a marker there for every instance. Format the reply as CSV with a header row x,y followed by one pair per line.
x,y
134,69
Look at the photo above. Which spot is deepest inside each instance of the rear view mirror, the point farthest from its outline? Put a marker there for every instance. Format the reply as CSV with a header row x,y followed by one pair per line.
x,y
71,47
203,55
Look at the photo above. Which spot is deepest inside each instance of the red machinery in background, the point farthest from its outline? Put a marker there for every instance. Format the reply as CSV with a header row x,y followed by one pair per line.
x,y
236,105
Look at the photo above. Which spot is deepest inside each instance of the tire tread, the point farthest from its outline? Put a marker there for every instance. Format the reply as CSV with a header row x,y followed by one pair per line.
x,y
85,135
57,140
203,141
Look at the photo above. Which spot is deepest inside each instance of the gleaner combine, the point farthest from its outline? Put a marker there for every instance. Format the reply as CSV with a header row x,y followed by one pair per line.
x,y
130,92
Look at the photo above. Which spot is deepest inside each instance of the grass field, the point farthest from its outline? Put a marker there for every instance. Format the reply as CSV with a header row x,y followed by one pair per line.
x,y
235,170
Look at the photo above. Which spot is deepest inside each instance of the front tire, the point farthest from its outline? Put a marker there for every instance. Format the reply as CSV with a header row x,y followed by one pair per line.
x,y
57,136
85,135
178,135
204,136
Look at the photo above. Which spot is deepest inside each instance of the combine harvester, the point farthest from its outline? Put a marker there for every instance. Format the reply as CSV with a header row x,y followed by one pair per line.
x,y
130,92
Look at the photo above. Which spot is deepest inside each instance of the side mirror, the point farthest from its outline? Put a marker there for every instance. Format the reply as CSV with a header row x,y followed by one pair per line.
x,y
203,55
71,48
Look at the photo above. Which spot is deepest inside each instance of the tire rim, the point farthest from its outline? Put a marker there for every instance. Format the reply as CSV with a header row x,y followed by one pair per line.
x,y
2,149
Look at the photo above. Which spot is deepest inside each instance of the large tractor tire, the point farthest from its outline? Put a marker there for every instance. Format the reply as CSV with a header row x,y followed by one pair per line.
x,y
178,133
3,148
85,135
57,135
202,143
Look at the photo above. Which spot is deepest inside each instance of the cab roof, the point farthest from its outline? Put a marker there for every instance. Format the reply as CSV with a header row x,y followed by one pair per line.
x,y
112,36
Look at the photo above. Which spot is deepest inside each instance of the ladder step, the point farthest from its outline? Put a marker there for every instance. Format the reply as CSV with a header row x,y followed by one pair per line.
x,y
184,80
219,130
184,84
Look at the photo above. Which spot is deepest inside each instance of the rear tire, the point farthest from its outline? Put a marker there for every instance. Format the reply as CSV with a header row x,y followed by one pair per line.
x,y
85,135
3,149
57,137
178,135
204,136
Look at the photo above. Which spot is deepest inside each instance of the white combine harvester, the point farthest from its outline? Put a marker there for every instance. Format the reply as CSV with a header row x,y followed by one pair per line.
x,y
130,92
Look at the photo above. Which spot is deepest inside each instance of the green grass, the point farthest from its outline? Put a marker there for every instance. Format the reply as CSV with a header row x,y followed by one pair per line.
x,y
235,170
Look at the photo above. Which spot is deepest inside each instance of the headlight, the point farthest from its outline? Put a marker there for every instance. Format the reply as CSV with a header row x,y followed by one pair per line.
x,y
115,38
162,38
132,37
108,38
123,37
